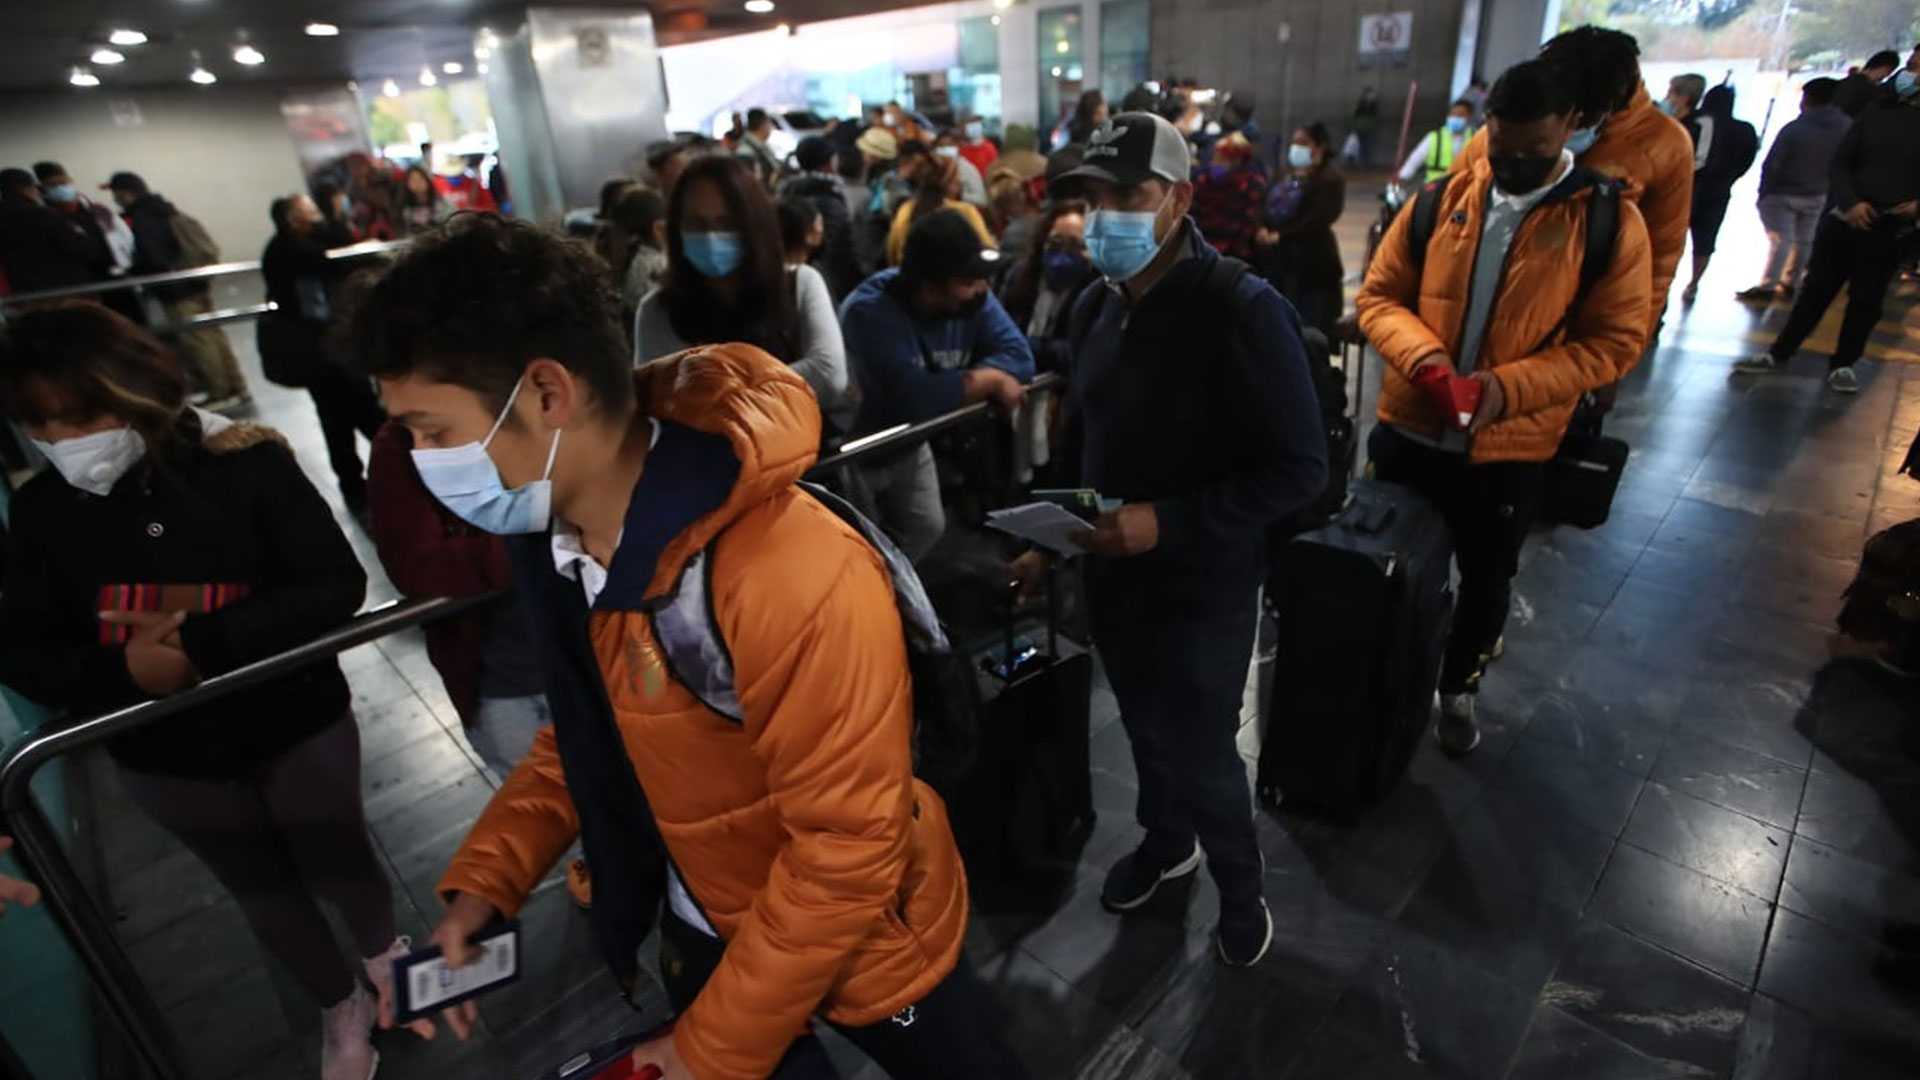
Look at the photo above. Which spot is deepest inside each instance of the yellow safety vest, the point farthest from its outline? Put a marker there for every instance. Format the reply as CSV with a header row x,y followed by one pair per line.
x,y
1439,155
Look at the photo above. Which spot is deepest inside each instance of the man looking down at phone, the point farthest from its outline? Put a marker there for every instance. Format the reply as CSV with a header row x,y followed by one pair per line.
x,y
803,870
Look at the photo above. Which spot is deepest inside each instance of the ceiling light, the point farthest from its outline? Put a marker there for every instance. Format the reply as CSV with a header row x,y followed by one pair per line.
x,y
83,77
1056,73
481,67
322,29
1003,4
107,57
481,52
390,88
996,20
127,37
248,55
784,29
202,76
1062,47
453,67
426,77
760,7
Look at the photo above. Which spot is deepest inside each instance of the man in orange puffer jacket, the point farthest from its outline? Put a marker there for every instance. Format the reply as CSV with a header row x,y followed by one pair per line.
x,y
1622,135
1495,299
803,871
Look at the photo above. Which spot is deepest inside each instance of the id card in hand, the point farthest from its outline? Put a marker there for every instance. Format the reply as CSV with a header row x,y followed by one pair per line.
x,y
423,984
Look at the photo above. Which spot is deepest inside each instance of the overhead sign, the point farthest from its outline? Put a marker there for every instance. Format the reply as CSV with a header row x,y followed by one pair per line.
x,y
1386,40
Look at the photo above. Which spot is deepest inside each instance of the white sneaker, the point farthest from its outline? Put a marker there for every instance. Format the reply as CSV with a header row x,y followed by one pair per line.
x,y
346,1042
1458,732
1758,364
380,974
1842,380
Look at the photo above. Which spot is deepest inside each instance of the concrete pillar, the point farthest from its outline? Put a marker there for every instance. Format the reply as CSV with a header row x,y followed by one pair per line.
x,y
1512,30
1020,67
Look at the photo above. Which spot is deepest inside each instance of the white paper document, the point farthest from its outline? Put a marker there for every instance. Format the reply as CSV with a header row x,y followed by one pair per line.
x,y
1043,523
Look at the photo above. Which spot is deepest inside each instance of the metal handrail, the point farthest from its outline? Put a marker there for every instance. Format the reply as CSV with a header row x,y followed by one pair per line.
x,y
858,451
174,277
37,844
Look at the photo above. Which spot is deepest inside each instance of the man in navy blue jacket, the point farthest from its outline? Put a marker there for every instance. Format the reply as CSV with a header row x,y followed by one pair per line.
x,y
923,340
1191,403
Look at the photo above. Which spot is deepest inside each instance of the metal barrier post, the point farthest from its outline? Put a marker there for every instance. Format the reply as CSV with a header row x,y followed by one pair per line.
x,y
37,846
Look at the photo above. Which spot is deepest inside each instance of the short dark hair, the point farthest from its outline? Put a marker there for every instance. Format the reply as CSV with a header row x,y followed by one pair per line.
x,y
1317,132
1885,58
12,180
75,360
1530,90
797,216
1820,91
813,153
473,302
610,193
1601,67
638,210
756,117
912,148
130,182
1463,103
278,210
47,170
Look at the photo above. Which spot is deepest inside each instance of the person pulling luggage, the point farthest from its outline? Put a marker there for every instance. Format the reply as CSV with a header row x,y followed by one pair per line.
x,y
1192,404
1491,331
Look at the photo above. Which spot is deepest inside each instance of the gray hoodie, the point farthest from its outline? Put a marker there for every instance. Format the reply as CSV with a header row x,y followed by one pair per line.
x,y
1803,152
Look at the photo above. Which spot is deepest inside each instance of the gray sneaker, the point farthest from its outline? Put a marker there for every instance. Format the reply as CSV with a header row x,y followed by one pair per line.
x,y
1842,380
1758,364
1457,731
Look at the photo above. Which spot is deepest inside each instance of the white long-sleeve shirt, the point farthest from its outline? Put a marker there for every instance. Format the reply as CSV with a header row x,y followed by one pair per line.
x,y
1416,165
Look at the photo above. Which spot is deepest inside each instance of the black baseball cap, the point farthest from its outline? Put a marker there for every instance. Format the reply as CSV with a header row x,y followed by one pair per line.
x,y
943,246
125,181
1132,148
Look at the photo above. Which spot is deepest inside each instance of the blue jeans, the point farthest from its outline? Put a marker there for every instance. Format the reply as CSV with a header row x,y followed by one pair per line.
x,y
503,730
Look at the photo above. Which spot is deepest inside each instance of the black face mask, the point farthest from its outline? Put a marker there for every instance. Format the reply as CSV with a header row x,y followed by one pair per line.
x,y
1518,174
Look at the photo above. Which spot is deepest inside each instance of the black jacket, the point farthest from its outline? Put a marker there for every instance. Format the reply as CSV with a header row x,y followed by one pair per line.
x,y
42,248
1856,93
234,509
1878,161
838,258
156,249
1308,255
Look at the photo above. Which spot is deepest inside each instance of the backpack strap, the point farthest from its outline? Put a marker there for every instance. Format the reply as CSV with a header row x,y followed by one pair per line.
x,y
1426,218
1596,256
696,652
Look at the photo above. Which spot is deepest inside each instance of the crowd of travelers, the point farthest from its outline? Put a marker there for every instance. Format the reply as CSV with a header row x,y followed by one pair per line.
x,y
696,685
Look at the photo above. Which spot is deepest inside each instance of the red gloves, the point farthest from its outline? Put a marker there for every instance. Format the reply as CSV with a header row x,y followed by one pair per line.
x,y
1456,396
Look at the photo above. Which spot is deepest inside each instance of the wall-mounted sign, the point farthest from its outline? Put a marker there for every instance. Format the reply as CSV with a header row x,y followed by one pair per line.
x,y
1386,40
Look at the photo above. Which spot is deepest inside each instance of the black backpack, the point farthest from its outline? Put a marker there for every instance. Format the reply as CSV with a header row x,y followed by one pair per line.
x,y
1882,604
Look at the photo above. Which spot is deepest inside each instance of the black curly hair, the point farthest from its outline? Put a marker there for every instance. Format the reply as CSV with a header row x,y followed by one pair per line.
x,y
473,302
1600,66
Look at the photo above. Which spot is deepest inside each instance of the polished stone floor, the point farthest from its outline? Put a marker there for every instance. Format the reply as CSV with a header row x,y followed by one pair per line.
x,y
1673,856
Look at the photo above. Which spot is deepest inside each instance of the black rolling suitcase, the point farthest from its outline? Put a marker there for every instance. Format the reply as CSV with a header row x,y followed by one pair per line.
x,y
1027,804
1364,607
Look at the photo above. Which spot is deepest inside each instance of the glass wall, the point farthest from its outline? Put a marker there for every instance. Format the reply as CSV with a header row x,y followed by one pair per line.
x,y
1061,75
973,88
1125,37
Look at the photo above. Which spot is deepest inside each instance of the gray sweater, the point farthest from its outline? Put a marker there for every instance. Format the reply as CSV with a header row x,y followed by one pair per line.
x,y
823,357
1802,153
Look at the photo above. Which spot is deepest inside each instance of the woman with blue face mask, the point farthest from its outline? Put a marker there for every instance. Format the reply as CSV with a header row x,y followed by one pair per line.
x,y
727,279
164,545
1297,248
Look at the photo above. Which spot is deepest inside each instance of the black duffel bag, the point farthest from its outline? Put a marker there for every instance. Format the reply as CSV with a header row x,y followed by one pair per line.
x,y
293,350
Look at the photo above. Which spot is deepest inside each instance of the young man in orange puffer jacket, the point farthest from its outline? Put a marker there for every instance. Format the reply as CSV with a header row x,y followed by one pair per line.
x,y
1496,298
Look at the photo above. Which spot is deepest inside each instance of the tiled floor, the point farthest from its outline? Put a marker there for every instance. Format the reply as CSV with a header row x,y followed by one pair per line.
x,y
1672,856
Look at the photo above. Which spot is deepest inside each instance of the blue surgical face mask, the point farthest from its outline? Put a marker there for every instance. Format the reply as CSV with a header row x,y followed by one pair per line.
x,y
1300,157
1457,124
63,193
1664,106
1906,83
1121,242
468,484
1582,140
714,254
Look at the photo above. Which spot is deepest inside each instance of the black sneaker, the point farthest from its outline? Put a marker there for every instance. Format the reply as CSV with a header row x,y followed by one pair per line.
x,y
1244,934
1136,877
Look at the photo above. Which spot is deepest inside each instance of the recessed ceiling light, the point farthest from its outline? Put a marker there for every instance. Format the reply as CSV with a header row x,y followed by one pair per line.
x,y
83,77
107,57
1062,47
996,20
481,52
322,29
248,55
481,67
1056,73
127,37
760,7
1003,4
426,77
202,76
453,67
390,88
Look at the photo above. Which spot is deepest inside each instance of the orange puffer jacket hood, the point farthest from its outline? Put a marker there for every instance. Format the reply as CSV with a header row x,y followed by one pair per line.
x,y
801,832
1409,312
1652,156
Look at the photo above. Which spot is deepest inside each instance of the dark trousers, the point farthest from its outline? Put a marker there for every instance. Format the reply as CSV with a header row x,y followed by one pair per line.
x,y
279,842
1865,263
1488,509
951,1034
346,405
1178,672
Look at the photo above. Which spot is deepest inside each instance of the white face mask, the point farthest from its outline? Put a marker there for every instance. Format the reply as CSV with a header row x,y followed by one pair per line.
x,y
95,463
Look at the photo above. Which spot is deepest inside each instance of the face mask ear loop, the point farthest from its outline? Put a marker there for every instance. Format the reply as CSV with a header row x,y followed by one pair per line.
x,y
504,412
553,452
